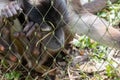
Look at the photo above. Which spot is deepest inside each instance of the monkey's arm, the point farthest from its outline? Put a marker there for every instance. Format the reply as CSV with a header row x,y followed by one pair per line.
x,y
94,27
97,29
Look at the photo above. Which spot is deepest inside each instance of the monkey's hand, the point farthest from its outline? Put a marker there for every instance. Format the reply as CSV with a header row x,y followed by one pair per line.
x,y
11,10
30,27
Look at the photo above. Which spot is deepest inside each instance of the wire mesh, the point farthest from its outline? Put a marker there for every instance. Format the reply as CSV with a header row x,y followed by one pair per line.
x,y
47,50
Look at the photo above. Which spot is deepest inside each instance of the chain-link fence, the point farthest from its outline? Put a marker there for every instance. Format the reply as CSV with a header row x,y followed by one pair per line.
x,y
40,43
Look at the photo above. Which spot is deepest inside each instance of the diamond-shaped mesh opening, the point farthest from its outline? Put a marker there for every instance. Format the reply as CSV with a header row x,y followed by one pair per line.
x,y
51,40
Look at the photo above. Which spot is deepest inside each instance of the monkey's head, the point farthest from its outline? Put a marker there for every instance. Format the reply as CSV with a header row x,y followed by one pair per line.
x,y
51,13
46,11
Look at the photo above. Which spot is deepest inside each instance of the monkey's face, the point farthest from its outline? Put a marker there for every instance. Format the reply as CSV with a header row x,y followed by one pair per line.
x,y
53,11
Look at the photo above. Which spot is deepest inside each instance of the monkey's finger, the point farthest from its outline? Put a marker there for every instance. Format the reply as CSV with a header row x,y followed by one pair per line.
x,y
4,13
28,26
19,34
31,31
13,10
13,58
8,11
17,7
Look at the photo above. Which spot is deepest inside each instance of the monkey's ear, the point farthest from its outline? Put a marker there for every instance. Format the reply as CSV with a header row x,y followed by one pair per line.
x,y
55,41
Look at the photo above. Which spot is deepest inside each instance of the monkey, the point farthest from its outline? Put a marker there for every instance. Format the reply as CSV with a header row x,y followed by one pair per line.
x,y
41,13
96,31
54,41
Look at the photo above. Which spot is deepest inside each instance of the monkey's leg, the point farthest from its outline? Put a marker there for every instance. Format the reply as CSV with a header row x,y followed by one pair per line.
x,y
29,29
8,49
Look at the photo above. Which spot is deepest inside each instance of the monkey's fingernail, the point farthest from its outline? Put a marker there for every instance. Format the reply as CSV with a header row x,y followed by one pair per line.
x,y
13,58
4,13
20,10
30,31
15,4
36,52
16,34
19,34
22,34
28,26
2,48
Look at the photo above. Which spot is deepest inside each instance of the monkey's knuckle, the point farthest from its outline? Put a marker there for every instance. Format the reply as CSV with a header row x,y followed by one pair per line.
x,y
14,3
10,6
